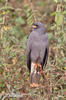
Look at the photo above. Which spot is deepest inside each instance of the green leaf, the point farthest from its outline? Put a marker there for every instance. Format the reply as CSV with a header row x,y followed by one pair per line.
x,y
6,8
59,18
7,49
56,1
50,36
20,20
64,12
1,19
1,66
53,14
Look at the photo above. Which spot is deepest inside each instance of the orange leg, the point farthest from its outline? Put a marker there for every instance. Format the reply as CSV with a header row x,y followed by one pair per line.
x,y
41,71
36,65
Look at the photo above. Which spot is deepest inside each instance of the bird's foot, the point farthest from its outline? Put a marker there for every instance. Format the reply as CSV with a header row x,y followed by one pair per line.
x,y
34,85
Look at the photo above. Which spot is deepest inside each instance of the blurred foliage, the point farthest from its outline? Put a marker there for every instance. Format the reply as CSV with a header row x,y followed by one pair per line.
x,y
15,21
29,15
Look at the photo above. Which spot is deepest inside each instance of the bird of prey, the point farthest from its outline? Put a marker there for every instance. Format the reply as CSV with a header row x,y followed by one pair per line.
x,y
37,52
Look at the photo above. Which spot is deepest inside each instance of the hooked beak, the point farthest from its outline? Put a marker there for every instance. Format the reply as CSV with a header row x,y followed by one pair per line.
x,y
33,27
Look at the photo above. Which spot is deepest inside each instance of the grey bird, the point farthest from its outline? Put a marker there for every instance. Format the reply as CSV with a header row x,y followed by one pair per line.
x,y
37,52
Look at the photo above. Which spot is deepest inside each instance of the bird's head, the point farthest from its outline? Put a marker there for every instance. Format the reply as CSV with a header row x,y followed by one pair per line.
x,y
38,26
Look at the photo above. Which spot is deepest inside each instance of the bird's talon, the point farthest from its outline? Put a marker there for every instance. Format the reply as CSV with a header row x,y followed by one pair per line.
x,y
34,85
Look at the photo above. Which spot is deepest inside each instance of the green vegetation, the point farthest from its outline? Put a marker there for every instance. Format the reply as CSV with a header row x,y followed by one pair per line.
x,y
16,18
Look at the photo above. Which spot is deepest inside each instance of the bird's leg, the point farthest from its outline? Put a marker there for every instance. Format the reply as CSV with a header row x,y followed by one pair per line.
x,y
36,65
40,69
34,75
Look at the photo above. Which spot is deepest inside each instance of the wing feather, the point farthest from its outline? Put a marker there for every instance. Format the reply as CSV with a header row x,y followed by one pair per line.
x,y
46,55
28,55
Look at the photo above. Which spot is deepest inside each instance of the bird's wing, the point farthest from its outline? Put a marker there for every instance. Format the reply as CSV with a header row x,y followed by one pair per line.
x,y
45,58
28,49
47,53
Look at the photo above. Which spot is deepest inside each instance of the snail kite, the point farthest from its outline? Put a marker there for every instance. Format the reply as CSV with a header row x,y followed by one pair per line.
x,y
37,52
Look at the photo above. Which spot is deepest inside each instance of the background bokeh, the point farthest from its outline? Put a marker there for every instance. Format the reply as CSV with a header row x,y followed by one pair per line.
x,y
16,18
